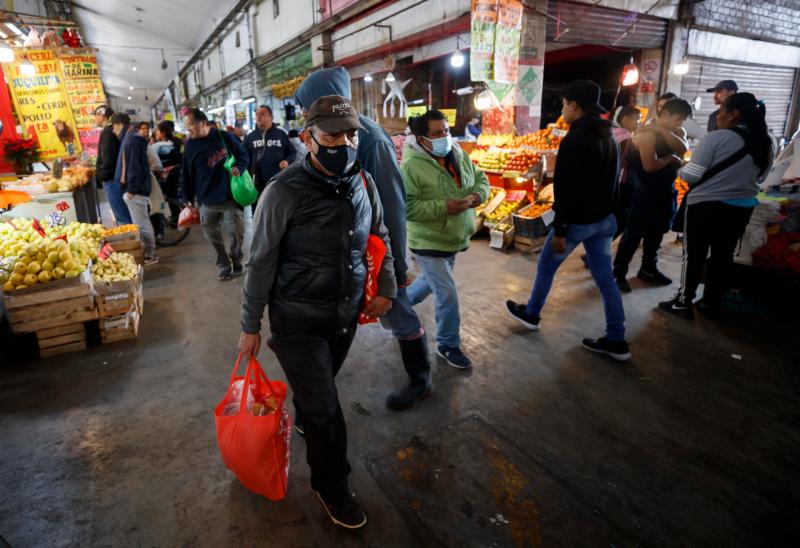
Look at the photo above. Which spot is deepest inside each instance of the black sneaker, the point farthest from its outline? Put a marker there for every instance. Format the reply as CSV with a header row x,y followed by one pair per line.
x,y
520,313
454,356
619,350
654,277
678,307
224,274
344,510
623,284
238,269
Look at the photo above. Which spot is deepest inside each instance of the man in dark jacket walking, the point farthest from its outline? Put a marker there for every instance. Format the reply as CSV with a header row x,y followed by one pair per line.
x,y
269,148
377,156
205,179
586,193
307,262
106,165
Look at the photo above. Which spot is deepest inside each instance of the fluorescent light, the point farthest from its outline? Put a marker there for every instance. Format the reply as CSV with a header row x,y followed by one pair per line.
x,y
464,91
681,67
417,102
390,77
233,102
130,88
457,60
630,75
134,68
13,28
129,97
368,77
249,100
6,54
3,35
27,69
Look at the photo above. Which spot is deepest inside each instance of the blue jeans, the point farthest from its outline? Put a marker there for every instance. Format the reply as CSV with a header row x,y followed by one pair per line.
x,y
402,319
119,208
596,239
437,278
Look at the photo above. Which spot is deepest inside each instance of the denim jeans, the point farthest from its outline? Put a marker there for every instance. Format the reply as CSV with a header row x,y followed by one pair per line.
x,y
596,239
437,278
401,318
228,217
138,207
114,196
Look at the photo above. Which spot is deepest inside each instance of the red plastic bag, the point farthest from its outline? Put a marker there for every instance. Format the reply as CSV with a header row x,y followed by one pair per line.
x,y
374,255
255,448
189,216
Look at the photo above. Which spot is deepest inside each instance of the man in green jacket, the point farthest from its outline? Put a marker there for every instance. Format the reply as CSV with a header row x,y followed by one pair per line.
x,y
442,188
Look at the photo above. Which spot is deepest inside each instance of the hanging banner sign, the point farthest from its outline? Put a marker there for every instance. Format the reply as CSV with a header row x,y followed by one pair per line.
x,y
42,104
85,92
507,39
481,55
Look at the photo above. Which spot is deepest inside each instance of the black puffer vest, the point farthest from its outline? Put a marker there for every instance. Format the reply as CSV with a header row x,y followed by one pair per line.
x,y
319,284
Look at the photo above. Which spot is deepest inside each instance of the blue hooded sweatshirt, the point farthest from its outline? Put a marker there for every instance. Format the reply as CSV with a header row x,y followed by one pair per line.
x,y
377,155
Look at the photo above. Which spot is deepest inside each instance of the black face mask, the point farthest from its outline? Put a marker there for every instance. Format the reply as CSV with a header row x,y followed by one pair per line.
x,y
336,159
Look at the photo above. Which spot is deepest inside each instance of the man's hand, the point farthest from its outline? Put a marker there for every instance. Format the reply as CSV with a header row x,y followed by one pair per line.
x,y
559,244
455,207
235,171
249,344
284,164
129,195
474,199
378,307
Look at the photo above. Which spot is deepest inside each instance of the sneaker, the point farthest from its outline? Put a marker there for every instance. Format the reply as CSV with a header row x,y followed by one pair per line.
x,y
454,356
678,307
520,313
238,269
225,274
344,510
619,350
654,277
623,285
151,261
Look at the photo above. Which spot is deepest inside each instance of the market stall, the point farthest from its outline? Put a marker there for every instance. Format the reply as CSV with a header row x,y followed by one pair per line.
x,y
65,199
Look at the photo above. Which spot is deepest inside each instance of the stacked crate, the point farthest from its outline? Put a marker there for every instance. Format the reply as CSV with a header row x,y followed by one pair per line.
x,y
127,242
120,305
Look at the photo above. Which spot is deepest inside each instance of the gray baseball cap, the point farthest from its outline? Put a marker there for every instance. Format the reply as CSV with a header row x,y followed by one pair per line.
x,y
333,114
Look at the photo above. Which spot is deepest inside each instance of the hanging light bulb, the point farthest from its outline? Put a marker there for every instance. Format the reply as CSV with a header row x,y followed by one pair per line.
x,y
681,67
630,74
130,88
27,69
134,66
390,77
129,97
6,54
368,77
457,60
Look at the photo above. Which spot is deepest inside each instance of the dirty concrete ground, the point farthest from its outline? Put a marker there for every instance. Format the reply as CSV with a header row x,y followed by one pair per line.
x,y
692,443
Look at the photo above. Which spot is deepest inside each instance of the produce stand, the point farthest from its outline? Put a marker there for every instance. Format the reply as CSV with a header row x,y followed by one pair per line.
x,y
76,189
120,305
127,242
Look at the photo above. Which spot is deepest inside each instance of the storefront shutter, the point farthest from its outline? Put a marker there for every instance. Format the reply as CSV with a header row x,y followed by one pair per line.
x,y
773,85
575,23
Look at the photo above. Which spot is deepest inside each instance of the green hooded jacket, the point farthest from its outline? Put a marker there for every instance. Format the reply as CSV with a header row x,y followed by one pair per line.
x,y
428,187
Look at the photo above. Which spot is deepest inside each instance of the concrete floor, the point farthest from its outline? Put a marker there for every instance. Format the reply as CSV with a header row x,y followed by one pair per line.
x,y
693,443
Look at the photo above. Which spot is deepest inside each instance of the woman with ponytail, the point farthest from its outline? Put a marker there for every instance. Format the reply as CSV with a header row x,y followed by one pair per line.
x,y
723,178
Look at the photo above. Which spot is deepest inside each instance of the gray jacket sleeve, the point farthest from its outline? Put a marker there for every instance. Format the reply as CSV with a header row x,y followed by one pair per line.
x,y
387,283
272,216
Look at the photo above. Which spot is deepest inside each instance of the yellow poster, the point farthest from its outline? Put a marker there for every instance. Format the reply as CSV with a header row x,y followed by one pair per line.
x,y
85,92
41,103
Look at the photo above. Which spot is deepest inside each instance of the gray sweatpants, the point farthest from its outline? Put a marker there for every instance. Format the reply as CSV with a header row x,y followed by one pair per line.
x,y
137,206
227,217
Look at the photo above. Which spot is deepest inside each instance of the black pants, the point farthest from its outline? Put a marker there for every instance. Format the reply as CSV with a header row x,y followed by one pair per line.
x,y
714,226
311,363
640,229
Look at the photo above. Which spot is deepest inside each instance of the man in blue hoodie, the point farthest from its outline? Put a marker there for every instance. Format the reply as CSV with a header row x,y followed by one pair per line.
x,y
269,148
205,179
377,155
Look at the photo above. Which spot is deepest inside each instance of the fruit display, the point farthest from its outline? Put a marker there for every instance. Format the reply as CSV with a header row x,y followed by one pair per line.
x,y
503,227
287,88
522,161
494,140
561,124
72,177
495,160
506,208
121,229
118,267
493,192
540,140
399,141
478,154
536,210
547,194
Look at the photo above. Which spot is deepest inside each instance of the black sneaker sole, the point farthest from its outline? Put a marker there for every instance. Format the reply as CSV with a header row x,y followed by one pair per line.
x,y
651,280
531,326
402,407
457,366
685,313
619,357
336,521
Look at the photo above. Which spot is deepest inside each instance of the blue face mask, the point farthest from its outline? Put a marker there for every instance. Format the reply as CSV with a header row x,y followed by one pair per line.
x,y
441,146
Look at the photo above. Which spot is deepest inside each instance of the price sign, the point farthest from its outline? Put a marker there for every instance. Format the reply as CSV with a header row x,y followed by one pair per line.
x,y
38,227
105,252
62,206
56,219
548,217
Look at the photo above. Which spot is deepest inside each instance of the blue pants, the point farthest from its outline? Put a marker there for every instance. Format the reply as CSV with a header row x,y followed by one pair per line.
x,y
437,278
596,239
402,319
114,193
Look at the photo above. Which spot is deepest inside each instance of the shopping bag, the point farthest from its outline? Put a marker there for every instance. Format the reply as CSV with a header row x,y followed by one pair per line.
x,y
255,448
189,216
242,187
373,257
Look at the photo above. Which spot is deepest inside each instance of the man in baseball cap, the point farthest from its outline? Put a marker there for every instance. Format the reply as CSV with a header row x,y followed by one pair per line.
x,y
307,263
721,91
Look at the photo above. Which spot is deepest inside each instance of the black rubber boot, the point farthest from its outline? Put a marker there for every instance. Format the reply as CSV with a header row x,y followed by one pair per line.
x,y
418,367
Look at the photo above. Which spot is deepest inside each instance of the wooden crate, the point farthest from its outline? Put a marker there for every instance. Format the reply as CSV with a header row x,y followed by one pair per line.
x,y
120,328
127,242
528,245
61,340
117,298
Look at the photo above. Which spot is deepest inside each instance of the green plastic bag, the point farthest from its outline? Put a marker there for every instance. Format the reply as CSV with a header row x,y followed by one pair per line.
x,y
242,187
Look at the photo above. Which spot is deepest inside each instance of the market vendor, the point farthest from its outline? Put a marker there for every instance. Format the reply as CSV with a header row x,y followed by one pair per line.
x,y
270,149
310,235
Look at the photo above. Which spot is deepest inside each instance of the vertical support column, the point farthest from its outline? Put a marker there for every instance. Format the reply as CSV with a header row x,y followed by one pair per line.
x,y
528,101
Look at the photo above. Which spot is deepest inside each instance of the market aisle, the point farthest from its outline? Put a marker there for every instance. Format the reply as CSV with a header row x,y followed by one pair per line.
x,y
543,443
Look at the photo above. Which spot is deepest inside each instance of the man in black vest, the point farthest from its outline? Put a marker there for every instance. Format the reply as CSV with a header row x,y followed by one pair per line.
x,y
310,233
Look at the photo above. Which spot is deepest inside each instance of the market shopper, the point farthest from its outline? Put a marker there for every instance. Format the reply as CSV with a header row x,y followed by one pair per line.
x,y
723,90
723,178
377,155
143,128
205,179
299,146
442,188
310,234
653,168
135,178
269,148
586,192
108,149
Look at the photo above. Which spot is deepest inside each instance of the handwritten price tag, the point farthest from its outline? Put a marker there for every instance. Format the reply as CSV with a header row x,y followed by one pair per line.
x,y
105,252
38,227
56,219
548,217
62,206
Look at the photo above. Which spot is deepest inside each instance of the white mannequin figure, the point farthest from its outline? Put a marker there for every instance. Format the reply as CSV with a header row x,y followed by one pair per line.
x,y
395,92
